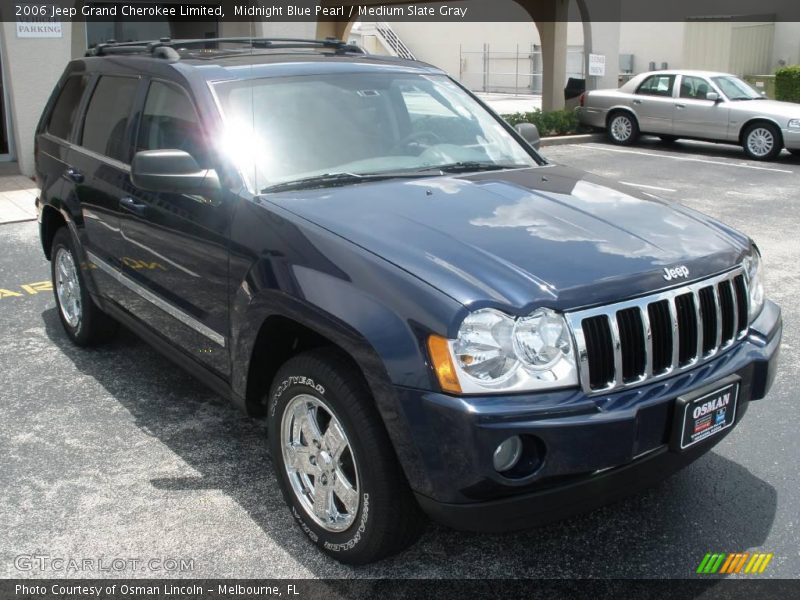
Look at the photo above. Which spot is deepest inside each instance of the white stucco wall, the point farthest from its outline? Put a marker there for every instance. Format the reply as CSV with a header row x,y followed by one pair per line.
x,y
787,43
32,66
657,42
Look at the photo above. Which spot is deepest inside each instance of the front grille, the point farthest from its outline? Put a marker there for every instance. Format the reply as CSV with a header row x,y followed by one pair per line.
x,y
640,340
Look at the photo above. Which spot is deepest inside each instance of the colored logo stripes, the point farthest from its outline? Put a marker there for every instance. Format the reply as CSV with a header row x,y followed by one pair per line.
x,y
734,562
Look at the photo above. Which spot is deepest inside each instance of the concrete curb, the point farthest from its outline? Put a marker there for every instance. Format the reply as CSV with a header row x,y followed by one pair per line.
x,y
584,138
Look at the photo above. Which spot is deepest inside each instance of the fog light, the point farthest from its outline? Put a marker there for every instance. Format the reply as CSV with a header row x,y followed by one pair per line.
x,y
507,454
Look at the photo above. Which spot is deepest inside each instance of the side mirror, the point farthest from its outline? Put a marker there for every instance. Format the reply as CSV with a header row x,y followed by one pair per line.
x,y
714,96
171,171
529,133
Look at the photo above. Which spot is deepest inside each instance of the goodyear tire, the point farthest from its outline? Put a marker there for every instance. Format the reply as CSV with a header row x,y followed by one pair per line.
x,y
82,319
334,461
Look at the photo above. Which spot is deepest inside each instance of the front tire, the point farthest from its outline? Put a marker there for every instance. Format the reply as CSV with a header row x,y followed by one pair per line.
x,y
622,129
82,319
334,461
762,141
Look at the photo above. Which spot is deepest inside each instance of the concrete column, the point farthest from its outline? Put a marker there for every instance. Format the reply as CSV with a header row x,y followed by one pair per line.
x,y
554,63
551,18
336,29
605,41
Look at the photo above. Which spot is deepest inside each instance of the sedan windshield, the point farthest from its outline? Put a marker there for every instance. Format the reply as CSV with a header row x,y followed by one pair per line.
x,y
736,89
342,129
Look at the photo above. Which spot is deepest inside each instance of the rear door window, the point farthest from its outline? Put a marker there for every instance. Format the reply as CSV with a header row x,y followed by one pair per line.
x,y
657,85
108,115
66,107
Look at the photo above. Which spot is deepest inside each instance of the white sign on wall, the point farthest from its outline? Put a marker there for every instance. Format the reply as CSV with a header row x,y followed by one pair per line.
x,y
597,65
39,28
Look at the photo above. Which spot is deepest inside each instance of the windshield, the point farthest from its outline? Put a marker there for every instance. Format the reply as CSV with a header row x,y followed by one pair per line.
x,y
286,129
736,89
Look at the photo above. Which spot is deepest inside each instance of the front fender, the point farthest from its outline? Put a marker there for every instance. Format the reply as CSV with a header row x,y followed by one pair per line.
x,y
374,311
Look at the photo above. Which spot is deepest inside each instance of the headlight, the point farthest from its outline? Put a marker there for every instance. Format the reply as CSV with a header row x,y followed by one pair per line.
x,y
495,352
794,124
754,274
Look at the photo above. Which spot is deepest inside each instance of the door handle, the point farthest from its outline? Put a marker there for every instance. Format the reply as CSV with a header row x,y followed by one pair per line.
x,y
73,175
637,101
131,205
680,106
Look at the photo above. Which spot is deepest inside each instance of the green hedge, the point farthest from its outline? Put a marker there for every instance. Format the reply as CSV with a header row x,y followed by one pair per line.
x,y
557,122
787,84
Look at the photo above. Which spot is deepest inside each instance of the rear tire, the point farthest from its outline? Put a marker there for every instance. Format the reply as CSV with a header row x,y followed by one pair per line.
x,y
622,128
762,141
82,319
326,437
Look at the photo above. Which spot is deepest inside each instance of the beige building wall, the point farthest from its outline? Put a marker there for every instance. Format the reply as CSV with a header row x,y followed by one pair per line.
x,y
31,67
787,44
652,42
457,47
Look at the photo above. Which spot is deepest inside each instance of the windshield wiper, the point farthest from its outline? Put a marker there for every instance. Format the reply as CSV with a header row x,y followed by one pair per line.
x,y
332,180
471,166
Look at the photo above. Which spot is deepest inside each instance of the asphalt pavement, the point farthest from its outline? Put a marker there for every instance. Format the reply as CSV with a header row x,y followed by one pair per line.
x,y
114,453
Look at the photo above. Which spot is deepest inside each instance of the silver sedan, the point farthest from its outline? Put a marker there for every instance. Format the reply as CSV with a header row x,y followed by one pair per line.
x,y
700,105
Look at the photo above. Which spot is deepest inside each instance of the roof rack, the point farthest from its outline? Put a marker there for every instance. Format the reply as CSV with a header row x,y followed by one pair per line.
x,y
167,48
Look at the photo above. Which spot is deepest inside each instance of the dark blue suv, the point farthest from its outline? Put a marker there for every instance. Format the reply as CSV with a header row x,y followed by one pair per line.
x,y
433,318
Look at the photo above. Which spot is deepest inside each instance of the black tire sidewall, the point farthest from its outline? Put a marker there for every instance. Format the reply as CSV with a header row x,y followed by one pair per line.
x,y
776,135
288,384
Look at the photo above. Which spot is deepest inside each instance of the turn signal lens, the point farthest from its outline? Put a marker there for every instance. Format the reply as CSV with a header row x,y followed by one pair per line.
x,y
439,350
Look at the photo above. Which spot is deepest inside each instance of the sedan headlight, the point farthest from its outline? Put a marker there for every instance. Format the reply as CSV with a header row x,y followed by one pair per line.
x,y
754,274
495,352
794,124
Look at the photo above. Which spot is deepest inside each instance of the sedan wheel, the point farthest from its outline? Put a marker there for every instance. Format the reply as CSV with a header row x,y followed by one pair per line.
x,y
623,129
762,142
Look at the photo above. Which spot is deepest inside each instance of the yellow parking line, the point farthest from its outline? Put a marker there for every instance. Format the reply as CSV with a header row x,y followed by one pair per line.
x,y
28,289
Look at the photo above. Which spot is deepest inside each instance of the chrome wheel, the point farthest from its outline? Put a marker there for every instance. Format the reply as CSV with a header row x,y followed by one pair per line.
x,y
621,128
760,141
68,287
320,463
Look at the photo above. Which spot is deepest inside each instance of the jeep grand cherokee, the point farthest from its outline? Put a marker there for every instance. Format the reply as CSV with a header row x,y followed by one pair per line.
x,y
433,318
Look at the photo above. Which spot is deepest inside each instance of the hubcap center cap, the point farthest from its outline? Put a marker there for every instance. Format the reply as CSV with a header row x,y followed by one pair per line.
x,y
324,459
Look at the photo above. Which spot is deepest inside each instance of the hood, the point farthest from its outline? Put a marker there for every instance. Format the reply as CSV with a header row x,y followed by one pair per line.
x,y
549,236
768,108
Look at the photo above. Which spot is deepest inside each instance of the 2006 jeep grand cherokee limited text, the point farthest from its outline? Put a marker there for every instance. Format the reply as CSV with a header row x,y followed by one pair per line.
x,y
433,318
